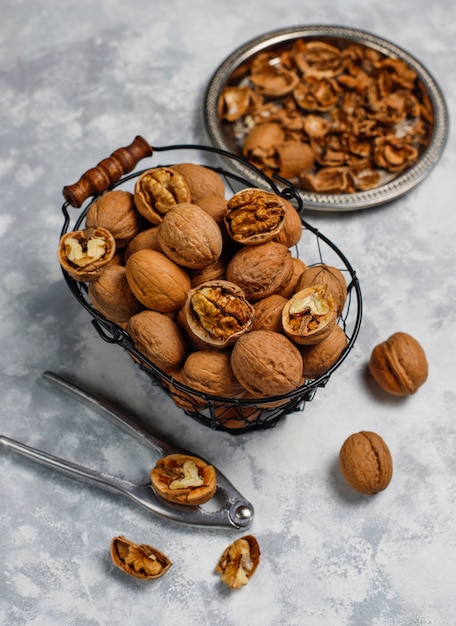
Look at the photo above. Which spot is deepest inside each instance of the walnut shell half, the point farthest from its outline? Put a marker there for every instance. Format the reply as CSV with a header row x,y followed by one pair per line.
x,y
184,479
157,190
218,313
254,216
138,560
83,254
239,561
310,315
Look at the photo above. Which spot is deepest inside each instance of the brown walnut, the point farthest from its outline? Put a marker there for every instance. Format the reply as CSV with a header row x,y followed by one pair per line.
x,y
115,211
318,358
84,254
399,364
157,191
239,562
254,216
365,462
291,232
310,315
332,277
209,371
201,180
145,239
112,296
138,560
184,479
190,237
268,313
157,282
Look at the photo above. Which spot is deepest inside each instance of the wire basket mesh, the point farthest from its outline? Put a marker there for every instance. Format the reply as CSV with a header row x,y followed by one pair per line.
x,y
234,415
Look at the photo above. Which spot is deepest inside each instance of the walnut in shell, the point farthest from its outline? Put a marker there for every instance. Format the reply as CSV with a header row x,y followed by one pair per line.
x,y
399,364
184,479
158,338
112,296
146,239
318,358
218,313
157,191
156,281
323,274
201,180
310,315
254,216
291,232
190,237
268,313
239,562
261,270
115,211
209,371
266,363
138,560
83,254
365,462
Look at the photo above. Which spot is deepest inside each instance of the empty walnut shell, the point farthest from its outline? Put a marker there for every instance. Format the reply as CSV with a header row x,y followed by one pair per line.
x,y
254,216
261,270
318,358
138,560
399,364
184,479
365,462
239,561
310,315
83,254
201,180
112,296
190,237
115,211
158,190
218,313
266,363
323,274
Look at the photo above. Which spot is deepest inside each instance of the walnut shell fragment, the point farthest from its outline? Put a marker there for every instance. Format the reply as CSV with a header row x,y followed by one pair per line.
x,y
399,364
138,560
157,190
328,275
254,216
83,254
184,479
239,562
218,313
365,462
310,315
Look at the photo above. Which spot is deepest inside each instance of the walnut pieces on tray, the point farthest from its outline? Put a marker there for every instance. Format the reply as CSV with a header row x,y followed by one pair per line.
x,y
195,280
332,116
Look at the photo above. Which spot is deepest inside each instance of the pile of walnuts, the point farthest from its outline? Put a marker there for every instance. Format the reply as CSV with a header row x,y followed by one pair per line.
x,y
207,288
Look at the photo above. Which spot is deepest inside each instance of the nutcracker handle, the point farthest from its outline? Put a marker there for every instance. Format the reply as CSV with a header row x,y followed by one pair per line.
x,y
107,172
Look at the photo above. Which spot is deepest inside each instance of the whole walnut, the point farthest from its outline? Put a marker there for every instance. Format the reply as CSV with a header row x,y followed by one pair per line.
x,y
291,232
215,206
261,270
158,338
320,357
112,297
201,180
157,282
268,313
190,237
292,286
145,239
399,364
115,211
266,363
209,371
365,462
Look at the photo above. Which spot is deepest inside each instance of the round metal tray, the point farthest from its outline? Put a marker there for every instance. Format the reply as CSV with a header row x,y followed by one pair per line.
x,y
223,136
233,415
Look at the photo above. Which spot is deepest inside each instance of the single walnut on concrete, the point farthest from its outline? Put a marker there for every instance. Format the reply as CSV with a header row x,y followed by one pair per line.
x,y
366,463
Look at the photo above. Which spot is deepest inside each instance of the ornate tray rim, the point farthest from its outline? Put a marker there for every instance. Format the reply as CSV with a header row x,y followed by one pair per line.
x,y
336,202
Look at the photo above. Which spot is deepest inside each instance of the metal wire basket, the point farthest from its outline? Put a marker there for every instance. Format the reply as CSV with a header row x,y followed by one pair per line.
x,y
234,415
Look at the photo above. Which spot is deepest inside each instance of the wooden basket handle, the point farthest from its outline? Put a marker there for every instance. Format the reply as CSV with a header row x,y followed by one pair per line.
x,y
107,172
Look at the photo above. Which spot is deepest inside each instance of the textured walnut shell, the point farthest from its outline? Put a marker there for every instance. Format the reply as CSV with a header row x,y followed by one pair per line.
x,y
112,296
266,363
239,562
209,371
190,237
157,191
218,313
115,211
322,274
184,479
399,365
254,216
138,560
268,313
291,232
156,281
158,338
234,417
292,286
83,254
261,270
201,180
366,463
214,271
146,239
318,358
310,315
215,206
